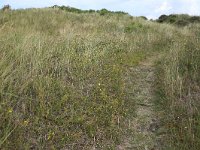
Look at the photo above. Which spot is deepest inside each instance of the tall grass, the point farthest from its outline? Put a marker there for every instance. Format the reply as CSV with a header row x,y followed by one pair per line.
x,y
180,90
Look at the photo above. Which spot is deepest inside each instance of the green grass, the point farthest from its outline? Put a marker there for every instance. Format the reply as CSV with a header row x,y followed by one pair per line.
x,y
62,76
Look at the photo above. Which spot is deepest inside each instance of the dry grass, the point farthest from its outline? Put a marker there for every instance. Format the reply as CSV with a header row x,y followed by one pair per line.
x,y
179,90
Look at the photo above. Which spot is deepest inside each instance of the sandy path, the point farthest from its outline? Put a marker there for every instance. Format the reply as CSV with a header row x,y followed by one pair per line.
x,y
142,127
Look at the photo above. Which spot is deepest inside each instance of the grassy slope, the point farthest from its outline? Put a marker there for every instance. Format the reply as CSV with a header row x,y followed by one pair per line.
x,y
61,75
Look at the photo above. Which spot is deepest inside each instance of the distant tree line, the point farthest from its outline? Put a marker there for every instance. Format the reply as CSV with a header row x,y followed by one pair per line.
x,y
76,10
178,19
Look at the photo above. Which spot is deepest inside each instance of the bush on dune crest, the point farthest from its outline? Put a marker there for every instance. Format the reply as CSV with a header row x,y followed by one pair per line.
x,y
180,20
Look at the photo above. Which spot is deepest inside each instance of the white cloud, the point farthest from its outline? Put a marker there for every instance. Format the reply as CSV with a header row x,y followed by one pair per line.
x,y
191,7
194,8
164,7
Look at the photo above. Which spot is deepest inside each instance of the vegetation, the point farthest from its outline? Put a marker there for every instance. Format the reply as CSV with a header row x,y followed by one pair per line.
x,y
101,12
63,78
62,82
179,20
143,17
179,90
6,8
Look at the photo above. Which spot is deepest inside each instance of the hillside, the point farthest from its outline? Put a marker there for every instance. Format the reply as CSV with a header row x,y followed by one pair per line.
x,y
74,80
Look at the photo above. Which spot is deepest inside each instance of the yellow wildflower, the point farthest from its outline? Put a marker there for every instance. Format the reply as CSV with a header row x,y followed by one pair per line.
x,y
50,135
10,110
25,123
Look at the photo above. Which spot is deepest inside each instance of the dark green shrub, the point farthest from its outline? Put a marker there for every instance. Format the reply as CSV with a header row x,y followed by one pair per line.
x,y
143,17
172,18
91,11
195,19
182,23
162,18
103,12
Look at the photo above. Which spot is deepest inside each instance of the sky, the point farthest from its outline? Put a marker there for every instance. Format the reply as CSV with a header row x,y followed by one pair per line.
x,y
149,8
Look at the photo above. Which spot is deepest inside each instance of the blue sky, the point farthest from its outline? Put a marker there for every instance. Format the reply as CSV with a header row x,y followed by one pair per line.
x,y
148,8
